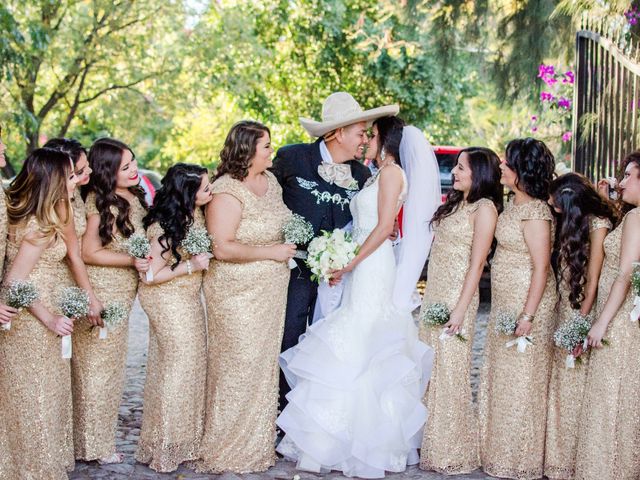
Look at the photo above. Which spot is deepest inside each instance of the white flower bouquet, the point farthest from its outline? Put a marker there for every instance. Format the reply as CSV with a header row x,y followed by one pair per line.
x,y
506,324
19,294
330,251
196,241
138,246
112,315
437,314
297,231
635,285
73,303
571,334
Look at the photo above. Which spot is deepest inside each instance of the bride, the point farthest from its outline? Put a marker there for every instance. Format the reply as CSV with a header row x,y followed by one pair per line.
x,y
357,376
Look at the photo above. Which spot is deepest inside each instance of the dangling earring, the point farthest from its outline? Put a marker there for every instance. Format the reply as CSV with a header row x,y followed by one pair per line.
x,y
383,155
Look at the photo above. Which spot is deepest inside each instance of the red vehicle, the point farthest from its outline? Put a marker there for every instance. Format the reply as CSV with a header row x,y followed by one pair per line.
x,y
446,157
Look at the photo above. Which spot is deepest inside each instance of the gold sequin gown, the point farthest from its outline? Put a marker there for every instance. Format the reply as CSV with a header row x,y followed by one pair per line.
x,y
513,388
450,440
174,391
566,390
99,364
35,382
5,460
246,307
609,432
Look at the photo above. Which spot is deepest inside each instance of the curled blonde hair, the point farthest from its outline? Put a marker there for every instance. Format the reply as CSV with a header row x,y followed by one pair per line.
x,y
40,189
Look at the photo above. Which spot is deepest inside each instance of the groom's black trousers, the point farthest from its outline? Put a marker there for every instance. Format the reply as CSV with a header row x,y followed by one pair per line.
x,y
301,301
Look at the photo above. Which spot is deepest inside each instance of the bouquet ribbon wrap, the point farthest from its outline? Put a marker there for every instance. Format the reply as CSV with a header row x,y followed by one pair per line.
x,y
634,314
444,336
149,275
5,326
66,349
570,361
520,343
103,333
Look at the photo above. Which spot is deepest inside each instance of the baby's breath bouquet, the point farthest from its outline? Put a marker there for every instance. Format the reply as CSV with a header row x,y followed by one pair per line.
x,y
506,324
437,314
112,315
330,251
297,231
138,246
19,294
635,285
74,302
571,334
196,241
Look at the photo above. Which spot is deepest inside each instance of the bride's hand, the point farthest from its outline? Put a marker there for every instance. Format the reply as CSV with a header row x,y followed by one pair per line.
x,y
336,275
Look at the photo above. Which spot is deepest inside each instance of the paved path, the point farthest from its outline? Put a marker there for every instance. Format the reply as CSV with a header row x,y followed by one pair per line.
x,y
130,419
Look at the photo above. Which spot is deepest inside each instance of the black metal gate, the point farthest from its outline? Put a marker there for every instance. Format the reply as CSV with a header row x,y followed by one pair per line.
x,y
607,100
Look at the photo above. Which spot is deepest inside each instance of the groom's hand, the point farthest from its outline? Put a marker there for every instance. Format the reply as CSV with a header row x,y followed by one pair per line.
x,y
396,229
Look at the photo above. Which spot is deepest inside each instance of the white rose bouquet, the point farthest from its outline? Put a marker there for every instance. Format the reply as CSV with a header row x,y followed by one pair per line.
x,y
20,294
506,324
138,246
330,251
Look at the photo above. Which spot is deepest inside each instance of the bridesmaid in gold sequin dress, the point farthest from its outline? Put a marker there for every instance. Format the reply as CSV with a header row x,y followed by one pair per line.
x,y
6,313
513,389
115,208
35,382
584,219
246,290
463,234
75,230
609,437
174,392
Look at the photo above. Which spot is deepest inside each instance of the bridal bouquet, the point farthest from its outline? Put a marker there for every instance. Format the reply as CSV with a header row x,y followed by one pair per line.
x,y
74,303
635,284
330,251
196,241
138,246
297,231
112,315
506,324
437,314
20,294
572,334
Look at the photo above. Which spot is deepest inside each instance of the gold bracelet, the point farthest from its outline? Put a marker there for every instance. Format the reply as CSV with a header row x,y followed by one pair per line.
x,y
526,317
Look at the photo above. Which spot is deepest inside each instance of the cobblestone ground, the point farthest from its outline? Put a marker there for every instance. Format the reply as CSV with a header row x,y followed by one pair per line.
x,y
130,418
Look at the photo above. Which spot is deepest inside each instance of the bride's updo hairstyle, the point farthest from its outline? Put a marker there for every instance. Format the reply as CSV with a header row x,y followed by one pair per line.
x,y
390,135
533,164
485,182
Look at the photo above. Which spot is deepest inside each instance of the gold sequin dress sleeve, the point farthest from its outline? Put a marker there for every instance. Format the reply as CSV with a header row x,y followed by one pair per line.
x,y
174,391
513,388
608,440
450,439
566,390
35,386
5,460
99,364
245,307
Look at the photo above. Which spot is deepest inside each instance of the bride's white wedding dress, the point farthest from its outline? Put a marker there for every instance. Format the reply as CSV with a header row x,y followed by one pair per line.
x,y
358,375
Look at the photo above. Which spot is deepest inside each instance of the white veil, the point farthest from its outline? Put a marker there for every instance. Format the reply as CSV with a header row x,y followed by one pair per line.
x,y
423,198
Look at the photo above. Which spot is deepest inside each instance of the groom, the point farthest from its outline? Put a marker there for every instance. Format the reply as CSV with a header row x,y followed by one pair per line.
x,y
318,181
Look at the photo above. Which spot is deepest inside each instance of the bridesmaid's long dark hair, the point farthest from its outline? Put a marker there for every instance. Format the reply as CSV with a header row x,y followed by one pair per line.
x,y
485,182
578,201
105,157
174,206
534,165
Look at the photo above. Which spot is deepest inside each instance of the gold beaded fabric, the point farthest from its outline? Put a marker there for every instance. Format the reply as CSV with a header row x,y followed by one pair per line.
x,y
450,441
99,364
174,392
609,432
245,306
513,388
566,390
35,386
4,459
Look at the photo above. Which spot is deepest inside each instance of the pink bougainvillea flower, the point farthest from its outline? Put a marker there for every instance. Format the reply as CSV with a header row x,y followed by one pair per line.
x,y
545,70
534,129
546,96
564,103
534,118
566,136
568,77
